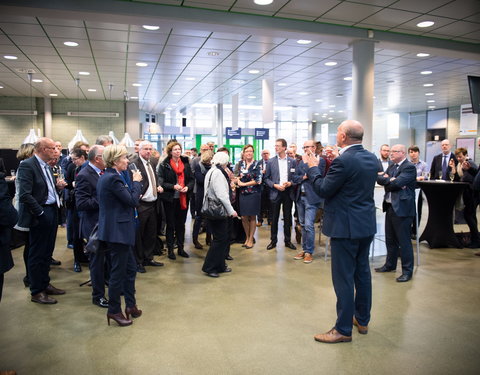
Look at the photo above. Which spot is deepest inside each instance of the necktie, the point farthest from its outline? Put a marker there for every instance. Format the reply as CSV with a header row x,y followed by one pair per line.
x,y
152,179
444,167
52,185
102,172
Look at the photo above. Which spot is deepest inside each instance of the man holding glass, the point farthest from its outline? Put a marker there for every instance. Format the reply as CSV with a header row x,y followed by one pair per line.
x,y
399,205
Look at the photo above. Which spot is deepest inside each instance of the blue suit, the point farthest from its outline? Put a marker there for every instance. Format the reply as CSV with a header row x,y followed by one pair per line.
x,y
400,211
116,227
349,220
280,198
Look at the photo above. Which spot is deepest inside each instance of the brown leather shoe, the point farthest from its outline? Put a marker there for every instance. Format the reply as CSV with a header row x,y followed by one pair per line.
x,y
51,290
134,311
332,337
43,299
363,330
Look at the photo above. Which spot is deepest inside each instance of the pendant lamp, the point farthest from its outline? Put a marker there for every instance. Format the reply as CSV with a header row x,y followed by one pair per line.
x,y
111,134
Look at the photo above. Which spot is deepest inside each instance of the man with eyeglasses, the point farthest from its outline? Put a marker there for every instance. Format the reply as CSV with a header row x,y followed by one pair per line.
x,y
308,202
384,159
399,181
38,210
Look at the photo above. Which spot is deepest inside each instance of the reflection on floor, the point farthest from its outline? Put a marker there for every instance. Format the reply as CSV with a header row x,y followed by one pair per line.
x,y
259,319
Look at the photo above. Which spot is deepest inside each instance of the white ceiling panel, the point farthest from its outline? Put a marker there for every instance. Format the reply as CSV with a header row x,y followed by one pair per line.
x,y
389,17
423,6
353,12
65,33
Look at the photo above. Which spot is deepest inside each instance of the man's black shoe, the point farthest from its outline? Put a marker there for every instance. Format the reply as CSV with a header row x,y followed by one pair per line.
x,y
271,245
102,302
140,268
290,245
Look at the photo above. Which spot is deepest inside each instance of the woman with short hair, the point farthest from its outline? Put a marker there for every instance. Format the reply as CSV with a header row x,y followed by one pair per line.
x,y
217,186
116,229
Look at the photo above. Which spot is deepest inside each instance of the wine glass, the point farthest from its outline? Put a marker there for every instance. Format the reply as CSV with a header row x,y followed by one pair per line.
x,y
452,176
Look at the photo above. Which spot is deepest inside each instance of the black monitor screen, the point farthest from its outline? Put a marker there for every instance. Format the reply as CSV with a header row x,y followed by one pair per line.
x,y
474,84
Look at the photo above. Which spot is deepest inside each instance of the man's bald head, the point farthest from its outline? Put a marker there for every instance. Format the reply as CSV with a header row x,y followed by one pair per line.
x,y
349,132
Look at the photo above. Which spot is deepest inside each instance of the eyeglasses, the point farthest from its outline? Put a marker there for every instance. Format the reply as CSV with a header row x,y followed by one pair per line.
x,y
395,151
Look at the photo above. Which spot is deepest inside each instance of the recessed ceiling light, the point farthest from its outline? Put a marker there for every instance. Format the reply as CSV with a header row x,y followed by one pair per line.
x,y
136,84
176,93
254,71
10,57
331,111
429,94
190,79
374,97
134,97
1,87
331,106
330,118
282,84
425,24
427,84
422,54
92,90
71,44
213,53
252,97
331,63
426,72
37,80
316,113
141,64
319,100
84,73
431,101
303,93
150,27
263,2
53,94
347,78
431,107
340,111
304,41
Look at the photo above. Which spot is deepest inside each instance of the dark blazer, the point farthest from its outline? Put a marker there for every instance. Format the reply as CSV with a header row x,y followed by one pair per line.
x,y
347,188
272,176
141,167
310,194
436,167
167,178
401,189
86,200
8,218
33,192
117,203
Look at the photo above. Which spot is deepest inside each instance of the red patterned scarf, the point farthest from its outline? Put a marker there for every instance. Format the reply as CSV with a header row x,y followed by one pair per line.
x,y
179,170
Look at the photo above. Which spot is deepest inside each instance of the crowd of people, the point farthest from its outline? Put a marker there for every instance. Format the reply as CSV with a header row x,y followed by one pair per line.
x,y
130,201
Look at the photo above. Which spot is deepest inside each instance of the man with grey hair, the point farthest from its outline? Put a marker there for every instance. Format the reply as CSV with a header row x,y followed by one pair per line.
x,y
147,210
38,210
399,181
349,221
440,168
104,140
87,206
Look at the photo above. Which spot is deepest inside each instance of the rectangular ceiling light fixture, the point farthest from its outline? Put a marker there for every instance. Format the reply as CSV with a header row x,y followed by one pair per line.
x,y
93,114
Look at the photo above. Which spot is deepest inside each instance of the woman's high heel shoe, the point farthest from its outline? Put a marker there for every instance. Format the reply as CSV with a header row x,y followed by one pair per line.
x,y
119,318
133,311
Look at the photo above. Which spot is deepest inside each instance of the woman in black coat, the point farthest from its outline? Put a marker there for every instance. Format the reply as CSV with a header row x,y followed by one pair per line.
x,y
175,177
8,218
201,170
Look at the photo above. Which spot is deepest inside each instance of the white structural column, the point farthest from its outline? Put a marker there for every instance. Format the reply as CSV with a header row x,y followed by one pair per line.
x,y
267,100
220,130
362,87
47,117
235,112
132,125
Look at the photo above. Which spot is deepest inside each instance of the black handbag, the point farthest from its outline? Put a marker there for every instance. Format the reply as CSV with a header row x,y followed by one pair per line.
x,y
93,243
212,207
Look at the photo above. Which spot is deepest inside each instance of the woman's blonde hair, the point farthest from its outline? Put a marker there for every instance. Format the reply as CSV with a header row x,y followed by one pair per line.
x,y
206,157
113,153
25,151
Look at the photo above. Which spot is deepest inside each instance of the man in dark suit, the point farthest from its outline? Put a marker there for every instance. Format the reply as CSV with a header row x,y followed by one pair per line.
x,y
384,160
147,208
278,177
86,201
440,169
38,209
349,221
399,181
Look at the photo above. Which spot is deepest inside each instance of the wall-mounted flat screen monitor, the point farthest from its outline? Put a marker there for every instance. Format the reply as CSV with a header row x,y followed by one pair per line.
x,y
437,119
474,85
